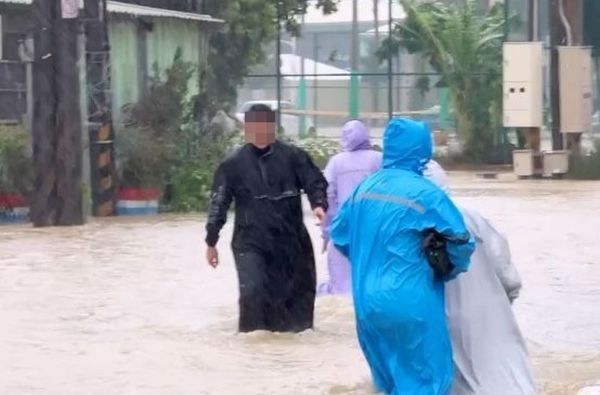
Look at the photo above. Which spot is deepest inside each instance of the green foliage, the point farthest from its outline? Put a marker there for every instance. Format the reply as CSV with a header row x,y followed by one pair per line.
x,y
320,150
16,171
465,47
170,143
585,167
149,148
201,151
251,25
144,162
191,188
170,140
162,110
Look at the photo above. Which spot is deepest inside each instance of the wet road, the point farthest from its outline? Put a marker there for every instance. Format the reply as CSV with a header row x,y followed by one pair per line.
x,y
127,306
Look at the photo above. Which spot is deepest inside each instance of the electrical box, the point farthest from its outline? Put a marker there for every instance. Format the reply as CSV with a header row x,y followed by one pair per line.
x,y
575,73
523,163
556,163
522,82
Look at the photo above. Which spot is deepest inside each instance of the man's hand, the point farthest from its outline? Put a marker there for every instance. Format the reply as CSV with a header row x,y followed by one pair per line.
x,y
320,214
212,256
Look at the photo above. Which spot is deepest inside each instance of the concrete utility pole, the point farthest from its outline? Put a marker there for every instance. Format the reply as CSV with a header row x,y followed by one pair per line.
x,y
354,52
389,66
301,101
278,65
57,119
573,14
533,135
68,116
43,207
353,105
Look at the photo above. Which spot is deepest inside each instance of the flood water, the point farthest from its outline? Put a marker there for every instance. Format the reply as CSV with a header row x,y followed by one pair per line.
x,y
128,306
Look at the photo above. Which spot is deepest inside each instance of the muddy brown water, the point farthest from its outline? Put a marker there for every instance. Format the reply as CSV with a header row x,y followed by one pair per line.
x,y
127,305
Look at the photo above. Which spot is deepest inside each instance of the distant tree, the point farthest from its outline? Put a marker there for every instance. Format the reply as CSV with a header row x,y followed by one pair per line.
x,y
463,44
251,24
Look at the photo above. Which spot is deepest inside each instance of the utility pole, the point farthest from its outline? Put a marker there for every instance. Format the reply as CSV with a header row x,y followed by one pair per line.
x,y
44,204
573,15
533,135
557,36
57,121
389,65
375,82
100,126
354,58
301,101
315,105
278,65
68,116
355,45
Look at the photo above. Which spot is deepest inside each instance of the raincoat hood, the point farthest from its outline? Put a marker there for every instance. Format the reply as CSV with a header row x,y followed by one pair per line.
x,y
355,136
436,174
406,145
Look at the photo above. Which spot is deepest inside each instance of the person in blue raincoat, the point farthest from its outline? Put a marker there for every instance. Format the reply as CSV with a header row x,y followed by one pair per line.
x,y
399,302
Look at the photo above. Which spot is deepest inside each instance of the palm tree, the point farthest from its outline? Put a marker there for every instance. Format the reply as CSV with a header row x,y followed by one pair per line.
x,y
465,47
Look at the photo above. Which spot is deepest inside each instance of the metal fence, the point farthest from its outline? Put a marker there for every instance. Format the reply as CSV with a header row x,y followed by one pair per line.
x,y
324,102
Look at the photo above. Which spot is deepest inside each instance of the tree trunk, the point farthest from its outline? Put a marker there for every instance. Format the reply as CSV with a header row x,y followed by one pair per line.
x,y
464,122
57,120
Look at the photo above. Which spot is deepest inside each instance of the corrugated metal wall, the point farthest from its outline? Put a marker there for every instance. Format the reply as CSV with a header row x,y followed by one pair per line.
x,y
124,66
165,36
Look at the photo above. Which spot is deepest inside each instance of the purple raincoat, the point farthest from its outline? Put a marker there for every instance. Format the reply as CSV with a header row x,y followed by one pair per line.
x,y
344,172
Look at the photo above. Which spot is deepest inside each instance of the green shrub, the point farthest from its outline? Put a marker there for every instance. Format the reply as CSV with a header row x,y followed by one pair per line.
x,y
148,147
171,142
320,150
201,152
191,188
16,169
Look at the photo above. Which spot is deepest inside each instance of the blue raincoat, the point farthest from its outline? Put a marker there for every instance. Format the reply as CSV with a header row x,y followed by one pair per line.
x,y
399,306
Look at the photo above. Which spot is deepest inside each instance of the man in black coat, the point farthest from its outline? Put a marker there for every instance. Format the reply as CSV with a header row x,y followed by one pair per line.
x,y
272,248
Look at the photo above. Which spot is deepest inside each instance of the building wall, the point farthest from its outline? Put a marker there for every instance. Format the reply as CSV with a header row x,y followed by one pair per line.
x,y
167,35
125,66
137,48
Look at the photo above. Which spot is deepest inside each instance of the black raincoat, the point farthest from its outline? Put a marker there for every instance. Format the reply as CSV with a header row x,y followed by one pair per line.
x,y
272,248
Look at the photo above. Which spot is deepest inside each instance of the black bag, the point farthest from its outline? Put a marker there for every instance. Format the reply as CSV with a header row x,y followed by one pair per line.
x,y
434,247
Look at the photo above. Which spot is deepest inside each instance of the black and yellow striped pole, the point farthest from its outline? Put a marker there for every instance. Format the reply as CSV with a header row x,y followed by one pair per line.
x,y
102,156
103,170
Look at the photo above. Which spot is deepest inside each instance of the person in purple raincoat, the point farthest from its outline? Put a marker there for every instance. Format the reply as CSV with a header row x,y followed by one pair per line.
x,y
343,173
